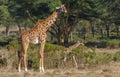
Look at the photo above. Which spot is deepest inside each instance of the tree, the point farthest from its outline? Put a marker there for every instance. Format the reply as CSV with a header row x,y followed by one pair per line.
x,y
112,9
4,15
66,24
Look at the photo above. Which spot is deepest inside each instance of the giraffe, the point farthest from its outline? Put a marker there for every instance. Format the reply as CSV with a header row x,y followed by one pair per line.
x,y
38,35
69,49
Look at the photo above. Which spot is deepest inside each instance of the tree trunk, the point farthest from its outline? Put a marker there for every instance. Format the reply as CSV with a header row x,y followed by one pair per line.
x,y
66,40
60,39
101,32
108,29
117,30
84,33
19,27
7,30
93,31
71,37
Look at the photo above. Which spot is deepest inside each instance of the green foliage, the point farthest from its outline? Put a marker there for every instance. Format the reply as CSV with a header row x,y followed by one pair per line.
x,y
4,14
4,41
52,47
93,15
79,50
116,56
88,56
33,60
13,45
52,55
3,62
103,58
113,43
52,3
110,43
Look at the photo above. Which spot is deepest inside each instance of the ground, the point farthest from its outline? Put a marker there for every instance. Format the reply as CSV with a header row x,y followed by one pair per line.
x,y
111,69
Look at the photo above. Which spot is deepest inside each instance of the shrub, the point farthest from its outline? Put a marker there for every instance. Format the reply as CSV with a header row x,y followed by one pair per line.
x,y
102,44
3,62
13,46
52,47
52,55
113,43
103,58
116,56
84,55
92,43
3,41
90,57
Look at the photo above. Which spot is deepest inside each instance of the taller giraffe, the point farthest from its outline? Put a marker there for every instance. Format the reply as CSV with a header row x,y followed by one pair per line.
x,y
38,35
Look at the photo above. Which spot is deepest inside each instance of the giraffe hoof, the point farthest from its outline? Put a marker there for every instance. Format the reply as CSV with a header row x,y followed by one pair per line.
x,y
19,70
42,69
26,70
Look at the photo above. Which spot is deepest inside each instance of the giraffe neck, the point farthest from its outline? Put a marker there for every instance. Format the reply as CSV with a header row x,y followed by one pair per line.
x,y
45,24
74,46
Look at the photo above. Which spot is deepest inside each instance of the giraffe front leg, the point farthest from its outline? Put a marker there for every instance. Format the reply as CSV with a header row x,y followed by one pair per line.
x,y
41,54
41,66
25,65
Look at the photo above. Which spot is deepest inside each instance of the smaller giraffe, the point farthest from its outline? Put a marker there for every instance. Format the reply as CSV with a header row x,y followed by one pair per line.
x,y
69,49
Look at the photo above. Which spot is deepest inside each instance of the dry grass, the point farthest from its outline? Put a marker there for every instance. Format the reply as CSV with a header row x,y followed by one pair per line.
x,y
109,70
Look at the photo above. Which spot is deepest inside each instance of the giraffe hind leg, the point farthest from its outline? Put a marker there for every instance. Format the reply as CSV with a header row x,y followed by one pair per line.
x,y
20,60
25,47
22,56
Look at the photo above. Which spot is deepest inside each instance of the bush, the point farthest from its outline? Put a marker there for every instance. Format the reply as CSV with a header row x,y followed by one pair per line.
x,y
52,55
13,46
3,62
52,47
103,58
3,40
116,56
113,43
89,57
84,55
102,44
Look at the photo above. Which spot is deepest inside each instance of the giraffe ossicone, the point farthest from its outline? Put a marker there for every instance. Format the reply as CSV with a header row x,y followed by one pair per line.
x,y
38,35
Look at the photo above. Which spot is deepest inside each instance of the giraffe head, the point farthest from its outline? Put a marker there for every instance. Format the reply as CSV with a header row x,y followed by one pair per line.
x,y
80,43
61,9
